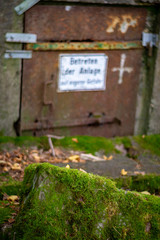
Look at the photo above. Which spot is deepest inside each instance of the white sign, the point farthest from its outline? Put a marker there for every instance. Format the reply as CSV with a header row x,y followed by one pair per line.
x,y
21,37
82,72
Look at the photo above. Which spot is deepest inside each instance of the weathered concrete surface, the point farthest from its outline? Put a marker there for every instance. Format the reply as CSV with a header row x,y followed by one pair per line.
x,y
147,77
154,125
148,164
10,69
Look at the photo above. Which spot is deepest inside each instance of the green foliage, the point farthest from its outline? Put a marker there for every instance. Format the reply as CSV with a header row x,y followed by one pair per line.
x,y
59,203
10,187
5,212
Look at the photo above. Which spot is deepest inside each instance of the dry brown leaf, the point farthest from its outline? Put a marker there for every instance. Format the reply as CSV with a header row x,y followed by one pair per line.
x,y
16,166
4,163
13,198
34,151
74,158
17,159
36,157
8,155
75,140
123,172
66,161
5,169
108,158
11,220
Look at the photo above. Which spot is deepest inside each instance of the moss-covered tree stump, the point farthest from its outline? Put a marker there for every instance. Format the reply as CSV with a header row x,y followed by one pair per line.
x,y
59,203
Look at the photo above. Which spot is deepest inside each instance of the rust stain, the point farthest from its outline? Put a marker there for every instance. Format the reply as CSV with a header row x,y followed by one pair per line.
x,y
110,45
123,23
114,22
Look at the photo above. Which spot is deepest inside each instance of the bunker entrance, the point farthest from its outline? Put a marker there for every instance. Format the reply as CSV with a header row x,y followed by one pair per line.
x,y
85,69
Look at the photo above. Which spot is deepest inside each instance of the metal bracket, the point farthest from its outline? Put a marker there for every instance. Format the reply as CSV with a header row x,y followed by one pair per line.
x,y
149,39
25,5
21,37
22,54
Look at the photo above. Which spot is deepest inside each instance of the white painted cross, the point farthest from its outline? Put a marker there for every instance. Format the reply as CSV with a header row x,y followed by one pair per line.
x,y
122,69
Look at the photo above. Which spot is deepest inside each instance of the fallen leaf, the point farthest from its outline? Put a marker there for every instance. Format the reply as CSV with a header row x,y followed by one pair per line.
x,y
123,172
11,220
75,140
13,198
67,166
4,163
34,151
66,161
17,159
36,157
5,169
8,155
108,158
74,158
16,166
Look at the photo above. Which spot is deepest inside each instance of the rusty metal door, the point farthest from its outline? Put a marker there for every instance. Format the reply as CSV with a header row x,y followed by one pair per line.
x,y
114,32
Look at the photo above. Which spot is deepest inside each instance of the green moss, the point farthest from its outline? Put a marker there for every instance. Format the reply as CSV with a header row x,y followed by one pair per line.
x,y
151,142
59,203
26,141
87,144
124,140
150,183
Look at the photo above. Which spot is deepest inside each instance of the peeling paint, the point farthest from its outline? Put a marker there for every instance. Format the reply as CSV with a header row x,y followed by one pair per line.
x,y
122,69
123,23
